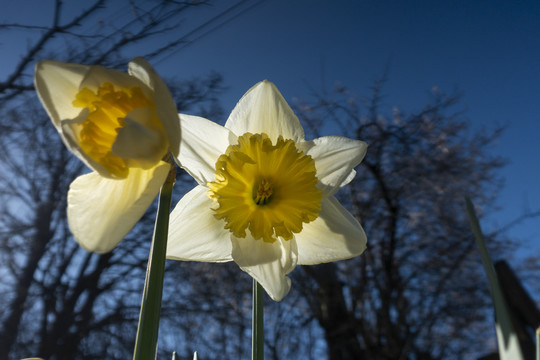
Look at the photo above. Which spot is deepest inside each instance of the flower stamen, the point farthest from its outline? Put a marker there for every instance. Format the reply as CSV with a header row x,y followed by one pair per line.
x,y
264,192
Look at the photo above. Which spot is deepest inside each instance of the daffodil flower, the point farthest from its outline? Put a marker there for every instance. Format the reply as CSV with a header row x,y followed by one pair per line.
x,y
121,126
265,195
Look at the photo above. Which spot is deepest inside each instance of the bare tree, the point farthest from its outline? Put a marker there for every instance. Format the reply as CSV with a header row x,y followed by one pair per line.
x,y
418,292
29,209
58,301
56,297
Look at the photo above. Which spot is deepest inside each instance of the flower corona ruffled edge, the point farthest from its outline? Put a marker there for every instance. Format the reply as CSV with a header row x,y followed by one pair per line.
x,y
269,189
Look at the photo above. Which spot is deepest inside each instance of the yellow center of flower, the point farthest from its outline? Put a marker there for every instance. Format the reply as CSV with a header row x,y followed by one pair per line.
x,y
269,189
107,107
264,191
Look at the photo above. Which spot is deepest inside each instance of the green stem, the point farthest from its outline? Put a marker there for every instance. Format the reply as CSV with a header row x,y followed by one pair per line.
x,y
257,341
509,348
147,331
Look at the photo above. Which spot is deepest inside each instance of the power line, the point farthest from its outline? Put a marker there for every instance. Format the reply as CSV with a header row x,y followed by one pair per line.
x,y
184,41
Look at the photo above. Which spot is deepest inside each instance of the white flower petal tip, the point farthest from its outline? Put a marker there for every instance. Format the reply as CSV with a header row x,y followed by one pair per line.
x,y
268,263
165,105
335,159
56,83
102,211
264,110
335,235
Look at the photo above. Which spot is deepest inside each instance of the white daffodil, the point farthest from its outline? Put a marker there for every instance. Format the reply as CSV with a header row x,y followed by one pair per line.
x,y
265,194
120,125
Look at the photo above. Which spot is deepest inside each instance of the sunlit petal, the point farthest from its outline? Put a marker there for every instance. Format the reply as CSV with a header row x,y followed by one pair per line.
x,y
194,233
56,84
141,145
268,263
334,235
264,110
203,141
335,159
97,75
165,106
102,211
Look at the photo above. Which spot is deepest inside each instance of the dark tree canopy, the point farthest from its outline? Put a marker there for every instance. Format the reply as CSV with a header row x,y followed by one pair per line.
x,y
59,301
418,292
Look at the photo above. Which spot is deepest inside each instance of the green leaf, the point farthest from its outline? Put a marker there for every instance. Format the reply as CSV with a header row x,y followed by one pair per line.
x,y
509,348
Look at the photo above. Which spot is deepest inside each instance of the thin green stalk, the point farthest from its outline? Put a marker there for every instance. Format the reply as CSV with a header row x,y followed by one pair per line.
x,y
509,348
257,340
147,331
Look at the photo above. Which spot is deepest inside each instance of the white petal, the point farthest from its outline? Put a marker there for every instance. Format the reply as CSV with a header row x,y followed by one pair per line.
x,y
68,131
268,263
97,75
335,159
203,141
165,106
102,211
57,84
136,142
264,110
334,235
194,233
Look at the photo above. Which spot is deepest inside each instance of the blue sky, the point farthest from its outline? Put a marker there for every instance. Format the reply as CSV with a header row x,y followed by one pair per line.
x,y
488,49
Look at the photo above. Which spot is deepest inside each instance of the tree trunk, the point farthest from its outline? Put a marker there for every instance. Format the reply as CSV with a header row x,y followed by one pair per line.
x,y
331,312
8,334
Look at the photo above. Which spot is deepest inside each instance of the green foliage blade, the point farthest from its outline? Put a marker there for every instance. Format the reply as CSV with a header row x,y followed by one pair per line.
x,y
509,348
